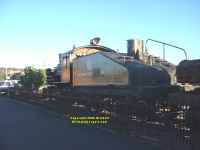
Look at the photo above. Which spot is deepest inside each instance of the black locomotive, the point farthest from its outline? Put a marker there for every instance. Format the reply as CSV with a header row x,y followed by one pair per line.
x,y
103,78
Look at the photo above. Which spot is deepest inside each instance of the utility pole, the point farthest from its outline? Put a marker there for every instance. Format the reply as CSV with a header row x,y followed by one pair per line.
x,y
6,72
163,51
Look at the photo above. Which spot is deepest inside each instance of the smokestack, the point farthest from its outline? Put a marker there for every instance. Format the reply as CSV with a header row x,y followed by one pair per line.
x,y
135,48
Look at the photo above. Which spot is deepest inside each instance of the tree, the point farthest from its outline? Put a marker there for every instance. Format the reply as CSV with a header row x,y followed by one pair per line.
x,y
16,76
33,78
29,76
2,77
40,78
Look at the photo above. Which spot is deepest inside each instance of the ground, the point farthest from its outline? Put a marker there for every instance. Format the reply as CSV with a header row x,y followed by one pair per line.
x,y
27,127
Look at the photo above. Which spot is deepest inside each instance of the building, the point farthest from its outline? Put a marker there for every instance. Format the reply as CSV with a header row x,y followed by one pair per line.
x,y
9,72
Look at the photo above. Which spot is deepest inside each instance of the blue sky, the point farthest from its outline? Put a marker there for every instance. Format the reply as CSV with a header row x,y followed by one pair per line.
x,y
34,32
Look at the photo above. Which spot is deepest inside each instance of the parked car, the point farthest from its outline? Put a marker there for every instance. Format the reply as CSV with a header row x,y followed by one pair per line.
x,y
5,86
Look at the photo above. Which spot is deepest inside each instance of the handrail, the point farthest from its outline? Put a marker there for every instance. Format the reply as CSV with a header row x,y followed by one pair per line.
x,y
164,47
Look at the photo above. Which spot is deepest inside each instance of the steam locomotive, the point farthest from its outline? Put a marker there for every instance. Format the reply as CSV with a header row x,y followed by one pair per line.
x,y
133,85
96,65
103,75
